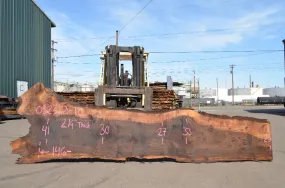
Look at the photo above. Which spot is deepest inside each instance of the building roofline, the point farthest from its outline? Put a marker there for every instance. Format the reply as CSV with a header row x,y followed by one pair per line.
x,y
52,23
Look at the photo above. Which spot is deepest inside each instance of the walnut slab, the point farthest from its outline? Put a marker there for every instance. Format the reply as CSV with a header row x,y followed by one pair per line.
x,y
61,129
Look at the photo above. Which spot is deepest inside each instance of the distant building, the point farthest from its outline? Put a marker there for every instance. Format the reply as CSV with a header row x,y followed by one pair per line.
x,y
73,87
246,91
87,88
25,47
224,94
60,87
272,92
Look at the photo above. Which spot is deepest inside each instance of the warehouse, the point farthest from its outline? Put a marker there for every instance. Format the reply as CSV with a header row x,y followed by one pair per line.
x,y
25,47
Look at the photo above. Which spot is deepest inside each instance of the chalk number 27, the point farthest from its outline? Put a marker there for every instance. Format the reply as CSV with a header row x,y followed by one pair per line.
x,y
161,131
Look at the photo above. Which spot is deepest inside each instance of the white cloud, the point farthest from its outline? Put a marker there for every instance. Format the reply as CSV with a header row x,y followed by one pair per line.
x,y
74,39
162,17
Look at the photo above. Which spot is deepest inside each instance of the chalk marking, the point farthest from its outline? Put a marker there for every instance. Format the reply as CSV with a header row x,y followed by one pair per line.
x,y
43,152
45,129
188,131
62,125
104,130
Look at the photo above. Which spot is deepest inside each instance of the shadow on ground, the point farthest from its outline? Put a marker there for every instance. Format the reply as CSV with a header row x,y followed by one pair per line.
x,y
272,111
94,160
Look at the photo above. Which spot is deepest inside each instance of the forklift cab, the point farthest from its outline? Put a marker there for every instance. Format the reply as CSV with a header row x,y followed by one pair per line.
x,y
126,77
119,88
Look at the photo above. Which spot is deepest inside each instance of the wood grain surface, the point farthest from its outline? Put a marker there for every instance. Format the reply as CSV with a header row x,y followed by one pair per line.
x,y
61,129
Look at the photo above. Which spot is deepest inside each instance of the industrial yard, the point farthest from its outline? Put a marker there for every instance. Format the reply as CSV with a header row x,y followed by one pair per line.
x,y
148,174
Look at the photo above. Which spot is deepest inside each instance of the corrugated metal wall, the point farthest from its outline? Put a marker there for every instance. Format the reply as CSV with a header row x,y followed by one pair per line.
x,y
25,46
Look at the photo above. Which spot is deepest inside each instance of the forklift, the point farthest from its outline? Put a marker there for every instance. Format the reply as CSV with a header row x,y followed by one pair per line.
x,y
120,89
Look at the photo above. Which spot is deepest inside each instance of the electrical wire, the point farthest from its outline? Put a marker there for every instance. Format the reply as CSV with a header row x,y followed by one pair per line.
x,y
208,71
213,71
135,16
214,58
78,56
200,31
223,51
90,50
174,34
119,31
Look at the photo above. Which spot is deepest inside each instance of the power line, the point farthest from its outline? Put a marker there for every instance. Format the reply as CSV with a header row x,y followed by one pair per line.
x,y
88,51
76,63
201,31
119,30
76,39
188,72
174,34
222,51
135,16
248,67
214,58
187,52
93,49
215,68
78,56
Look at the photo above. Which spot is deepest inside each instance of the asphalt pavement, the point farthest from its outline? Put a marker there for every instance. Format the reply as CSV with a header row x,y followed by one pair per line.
x,y
149,174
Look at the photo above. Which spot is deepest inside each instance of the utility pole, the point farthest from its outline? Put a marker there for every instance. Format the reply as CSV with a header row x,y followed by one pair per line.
x,y
117,38
284,62
199,94
194,83
233,87
217,91
52,62
249,81
190,103
195,96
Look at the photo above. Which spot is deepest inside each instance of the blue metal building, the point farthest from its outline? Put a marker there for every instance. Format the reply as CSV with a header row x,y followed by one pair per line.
x,y
25,47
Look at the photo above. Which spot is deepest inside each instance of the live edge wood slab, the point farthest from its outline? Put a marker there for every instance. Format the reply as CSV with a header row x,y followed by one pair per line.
x,y
63,130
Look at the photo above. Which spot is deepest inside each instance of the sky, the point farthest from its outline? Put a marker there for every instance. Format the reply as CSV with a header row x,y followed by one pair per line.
x,y
197,26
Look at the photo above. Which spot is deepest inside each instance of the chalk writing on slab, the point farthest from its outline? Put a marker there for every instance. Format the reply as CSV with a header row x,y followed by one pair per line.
x,y
104,131
161,133
48,109
45,129
60,151
78,111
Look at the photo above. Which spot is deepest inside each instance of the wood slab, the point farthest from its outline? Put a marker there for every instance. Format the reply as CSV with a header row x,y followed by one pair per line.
x,y
61,129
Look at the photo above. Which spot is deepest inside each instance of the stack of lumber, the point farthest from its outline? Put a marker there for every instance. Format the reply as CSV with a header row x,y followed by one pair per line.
x,y
8,112
8,108
162,98
79,97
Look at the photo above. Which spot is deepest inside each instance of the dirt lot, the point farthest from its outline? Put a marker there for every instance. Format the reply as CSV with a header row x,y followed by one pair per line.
x,y
145,175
